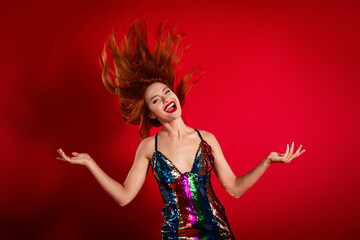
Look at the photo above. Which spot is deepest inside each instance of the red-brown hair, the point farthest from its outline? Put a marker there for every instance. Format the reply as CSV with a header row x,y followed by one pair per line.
x,y
137,66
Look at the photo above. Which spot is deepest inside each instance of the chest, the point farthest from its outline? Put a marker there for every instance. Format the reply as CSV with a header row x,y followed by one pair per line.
x,y
181,153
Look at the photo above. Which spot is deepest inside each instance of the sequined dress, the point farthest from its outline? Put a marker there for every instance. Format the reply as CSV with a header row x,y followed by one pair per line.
x,y
192,211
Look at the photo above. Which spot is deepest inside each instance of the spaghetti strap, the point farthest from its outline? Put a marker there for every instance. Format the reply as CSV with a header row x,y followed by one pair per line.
x,y
156,142
199,134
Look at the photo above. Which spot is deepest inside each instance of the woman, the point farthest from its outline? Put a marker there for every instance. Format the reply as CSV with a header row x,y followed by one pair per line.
x,y
182,158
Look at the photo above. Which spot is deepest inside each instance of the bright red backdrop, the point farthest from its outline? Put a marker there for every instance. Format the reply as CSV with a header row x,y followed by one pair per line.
x,y
276,72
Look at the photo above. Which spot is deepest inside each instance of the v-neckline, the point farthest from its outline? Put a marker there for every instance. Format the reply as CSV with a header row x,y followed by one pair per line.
x,y
192,166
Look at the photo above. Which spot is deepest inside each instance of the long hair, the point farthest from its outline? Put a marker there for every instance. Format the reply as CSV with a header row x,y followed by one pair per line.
x,y
137,66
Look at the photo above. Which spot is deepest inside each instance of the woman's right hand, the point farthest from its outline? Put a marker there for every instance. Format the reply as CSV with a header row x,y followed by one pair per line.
x,y
78,158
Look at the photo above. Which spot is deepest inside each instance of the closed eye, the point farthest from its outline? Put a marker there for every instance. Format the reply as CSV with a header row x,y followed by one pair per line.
x,y
166,92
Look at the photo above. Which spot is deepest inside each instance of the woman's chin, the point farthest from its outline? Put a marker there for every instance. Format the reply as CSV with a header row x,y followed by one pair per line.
x,y
169,118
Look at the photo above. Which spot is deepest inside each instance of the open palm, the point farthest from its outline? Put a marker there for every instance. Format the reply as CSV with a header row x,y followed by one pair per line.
x,y
78,158
287,157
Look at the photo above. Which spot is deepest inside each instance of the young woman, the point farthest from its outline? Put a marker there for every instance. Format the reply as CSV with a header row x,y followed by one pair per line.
x,y
181,157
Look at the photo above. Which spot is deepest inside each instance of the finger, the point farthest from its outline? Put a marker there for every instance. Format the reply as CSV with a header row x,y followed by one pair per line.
x,y
75,154
302,152
292,148
297,154
62,159
287,151
298,150
65,156
62,153
290,157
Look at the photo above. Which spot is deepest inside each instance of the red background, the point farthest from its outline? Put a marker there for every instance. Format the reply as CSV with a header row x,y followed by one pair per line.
x,y
276,72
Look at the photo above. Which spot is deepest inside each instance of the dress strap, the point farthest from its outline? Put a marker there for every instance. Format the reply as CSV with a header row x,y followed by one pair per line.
x,y
156,142
199,134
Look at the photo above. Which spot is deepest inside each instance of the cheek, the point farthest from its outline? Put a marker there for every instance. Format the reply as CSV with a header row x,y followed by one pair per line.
x,y
173,95
154,108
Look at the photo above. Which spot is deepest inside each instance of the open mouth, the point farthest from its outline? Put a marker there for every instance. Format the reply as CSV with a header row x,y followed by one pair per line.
x,y
171,107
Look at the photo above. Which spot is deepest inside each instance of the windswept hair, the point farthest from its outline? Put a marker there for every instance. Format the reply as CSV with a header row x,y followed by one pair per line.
x,y
137,66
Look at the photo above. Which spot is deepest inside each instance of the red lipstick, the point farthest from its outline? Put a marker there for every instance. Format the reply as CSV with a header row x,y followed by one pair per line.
x,y
169,105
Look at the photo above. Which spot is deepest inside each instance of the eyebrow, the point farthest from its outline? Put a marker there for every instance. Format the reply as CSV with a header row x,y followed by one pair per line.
x,y
157,95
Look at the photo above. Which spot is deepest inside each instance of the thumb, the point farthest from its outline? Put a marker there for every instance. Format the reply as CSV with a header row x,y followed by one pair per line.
x,y
75,153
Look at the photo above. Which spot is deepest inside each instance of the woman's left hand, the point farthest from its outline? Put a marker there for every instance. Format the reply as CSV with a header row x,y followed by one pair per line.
x,y
275,157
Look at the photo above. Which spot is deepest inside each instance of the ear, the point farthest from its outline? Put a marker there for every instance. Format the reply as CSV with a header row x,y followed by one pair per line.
x,y
151,115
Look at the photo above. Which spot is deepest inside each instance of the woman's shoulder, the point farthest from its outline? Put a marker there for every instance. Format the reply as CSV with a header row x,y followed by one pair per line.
x,y
147,146
207,136
210,139
148,140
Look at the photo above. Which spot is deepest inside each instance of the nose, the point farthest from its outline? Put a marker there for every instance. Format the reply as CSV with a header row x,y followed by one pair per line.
x,y
166,99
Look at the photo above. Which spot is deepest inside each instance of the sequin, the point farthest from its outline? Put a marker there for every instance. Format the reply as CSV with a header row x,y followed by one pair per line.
x,y
192,210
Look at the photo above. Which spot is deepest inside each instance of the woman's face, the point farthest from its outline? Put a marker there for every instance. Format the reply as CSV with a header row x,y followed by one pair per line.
x,y
162,102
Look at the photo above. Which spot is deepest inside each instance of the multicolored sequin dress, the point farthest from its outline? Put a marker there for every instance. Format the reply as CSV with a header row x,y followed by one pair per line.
x,y
192,211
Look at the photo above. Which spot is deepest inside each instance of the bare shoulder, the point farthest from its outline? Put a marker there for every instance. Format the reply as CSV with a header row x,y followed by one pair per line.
x,y
147,147
208,137
212,141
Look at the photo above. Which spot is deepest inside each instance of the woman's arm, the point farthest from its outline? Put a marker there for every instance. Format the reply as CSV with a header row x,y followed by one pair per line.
x,y
121,193
237,186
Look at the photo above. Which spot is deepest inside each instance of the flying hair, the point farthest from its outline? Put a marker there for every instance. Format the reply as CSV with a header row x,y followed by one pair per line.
x,y
137,66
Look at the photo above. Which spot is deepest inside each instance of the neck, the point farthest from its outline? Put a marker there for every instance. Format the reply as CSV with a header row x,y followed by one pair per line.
x,y
176,128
